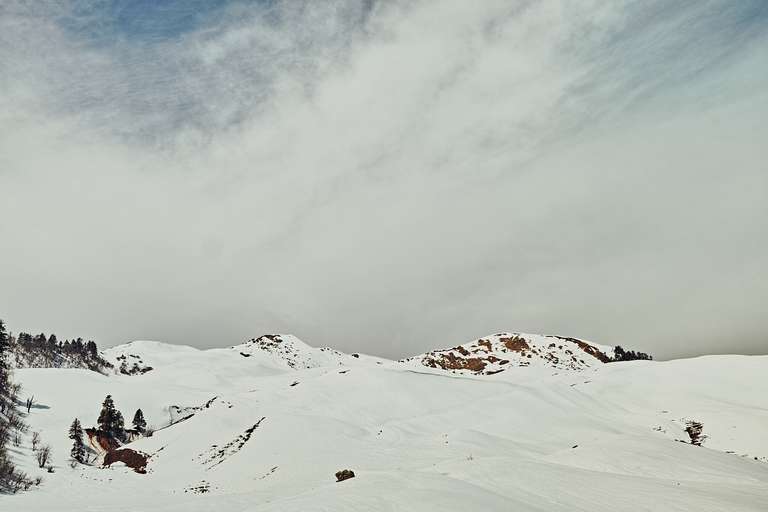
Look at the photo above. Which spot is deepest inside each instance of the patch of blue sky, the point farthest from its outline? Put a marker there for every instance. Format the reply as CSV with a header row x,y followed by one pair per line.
x,y
102,22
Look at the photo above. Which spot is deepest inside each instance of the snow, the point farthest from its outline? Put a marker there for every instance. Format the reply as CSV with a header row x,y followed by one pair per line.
x,y
499,352
538,437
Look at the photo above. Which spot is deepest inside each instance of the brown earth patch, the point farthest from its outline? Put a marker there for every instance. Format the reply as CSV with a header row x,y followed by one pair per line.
x,y
515,344
461,350
100,440
133,459
585,347
449,361
486,344
593,351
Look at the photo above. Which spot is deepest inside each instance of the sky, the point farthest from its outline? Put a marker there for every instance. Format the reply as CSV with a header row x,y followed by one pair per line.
x,y
386,177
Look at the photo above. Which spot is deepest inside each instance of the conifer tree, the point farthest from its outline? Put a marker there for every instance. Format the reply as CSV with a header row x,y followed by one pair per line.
x,y
7,393
78,449
5,348
139,423
111,420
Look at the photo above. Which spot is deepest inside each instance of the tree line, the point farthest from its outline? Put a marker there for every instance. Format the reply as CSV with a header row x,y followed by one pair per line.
x,y
619,354
12,425
48,351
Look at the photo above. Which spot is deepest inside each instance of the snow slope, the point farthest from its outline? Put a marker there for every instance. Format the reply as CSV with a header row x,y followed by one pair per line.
x,y
270,423
499,352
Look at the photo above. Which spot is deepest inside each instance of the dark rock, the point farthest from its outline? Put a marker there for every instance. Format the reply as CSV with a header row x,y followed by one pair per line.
x,y
344,474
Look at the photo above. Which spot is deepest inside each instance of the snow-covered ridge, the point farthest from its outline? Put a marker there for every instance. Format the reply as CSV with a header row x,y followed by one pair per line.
x,y
295,354
499,352
488,355
292,351
142,356
266,354
264,426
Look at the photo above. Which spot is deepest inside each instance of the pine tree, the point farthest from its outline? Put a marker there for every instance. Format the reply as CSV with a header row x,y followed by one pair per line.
x,y
5,346
139,423
119,430
106,417
78,449
6,390
111,420
76,430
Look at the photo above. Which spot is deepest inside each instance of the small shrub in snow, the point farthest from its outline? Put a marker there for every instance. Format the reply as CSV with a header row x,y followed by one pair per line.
x,y
694,430
43,455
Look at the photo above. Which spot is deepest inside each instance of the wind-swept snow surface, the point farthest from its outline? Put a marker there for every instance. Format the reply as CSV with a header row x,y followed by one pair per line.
x,y
267,424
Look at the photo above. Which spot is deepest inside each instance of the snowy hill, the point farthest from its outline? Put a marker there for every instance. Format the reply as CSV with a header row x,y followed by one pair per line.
x,y
265,426
499,352
294,353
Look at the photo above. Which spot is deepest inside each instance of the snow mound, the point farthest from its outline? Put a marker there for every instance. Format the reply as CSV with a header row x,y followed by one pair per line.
x,y
290,351
498,352
141,356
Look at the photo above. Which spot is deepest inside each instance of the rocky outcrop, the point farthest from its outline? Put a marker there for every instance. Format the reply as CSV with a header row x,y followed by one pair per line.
x,y
132,364
498,352
134,459
218,454
292,352
100,441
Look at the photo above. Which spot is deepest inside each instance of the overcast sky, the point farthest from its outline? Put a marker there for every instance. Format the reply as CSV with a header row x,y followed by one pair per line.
x,y
386,177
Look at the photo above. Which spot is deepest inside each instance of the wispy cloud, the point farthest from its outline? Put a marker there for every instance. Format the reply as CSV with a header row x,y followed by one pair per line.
x,y
386,176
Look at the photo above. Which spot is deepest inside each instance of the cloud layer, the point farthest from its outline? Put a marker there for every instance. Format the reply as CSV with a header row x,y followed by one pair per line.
x,y
386,177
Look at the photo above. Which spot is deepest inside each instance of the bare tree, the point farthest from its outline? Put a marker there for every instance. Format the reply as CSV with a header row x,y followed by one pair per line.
x,y
43,454
35,441
30,402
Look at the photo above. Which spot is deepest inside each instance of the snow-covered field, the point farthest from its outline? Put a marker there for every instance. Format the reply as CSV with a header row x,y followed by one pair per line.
x,y
282,418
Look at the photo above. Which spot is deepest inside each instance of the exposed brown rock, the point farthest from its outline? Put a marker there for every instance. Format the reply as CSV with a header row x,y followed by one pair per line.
x,y
344,474
515,344
100,440
461,350
133,459
593,351
449,361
